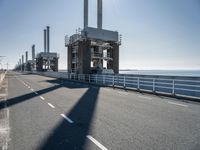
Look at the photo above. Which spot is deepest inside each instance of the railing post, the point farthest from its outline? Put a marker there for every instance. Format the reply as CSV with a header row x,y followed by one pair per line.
x,y
113,82
96,78
138,83
103,79
89,78
154,88
124,81
173,87
78,77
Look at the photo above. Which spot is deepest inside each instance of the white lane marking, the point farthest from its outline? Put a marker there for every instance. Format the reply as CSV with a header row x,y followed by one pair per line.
x,y
67,118
36,93
42,98
178,104
29,87
51,105
97,143
32,90
145,97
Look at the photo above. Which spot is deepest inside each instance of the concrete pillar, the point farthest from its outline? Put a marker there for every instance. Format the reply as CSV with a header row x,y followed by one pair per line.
x,y
33,52
84,57
45,40
26,56
22,59
48,39
20,63
69,58
85,13
22,69
116,58
99,14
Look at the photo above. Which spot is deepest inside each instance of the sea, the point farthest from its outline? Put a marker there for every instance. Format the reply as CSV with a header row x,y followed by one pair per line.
x,y
187,73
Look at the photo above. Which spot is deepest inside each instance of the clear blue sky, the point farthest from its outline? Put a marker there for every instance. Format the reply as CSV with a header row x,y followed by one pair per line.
x,y
157,34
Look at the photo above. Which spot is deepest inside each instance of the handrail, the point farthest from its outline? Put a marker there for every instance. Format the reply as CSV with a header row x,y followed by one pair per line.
x,y
173,86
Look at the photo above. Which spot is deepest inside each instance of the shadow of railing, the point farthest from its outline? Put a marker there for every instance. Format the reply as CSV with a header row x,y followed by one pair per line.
x,y
67,83
73,136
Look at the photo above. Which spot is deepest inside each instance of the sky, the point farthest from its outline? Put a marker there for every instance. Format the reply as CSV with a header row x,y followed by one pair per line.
x,y
156,34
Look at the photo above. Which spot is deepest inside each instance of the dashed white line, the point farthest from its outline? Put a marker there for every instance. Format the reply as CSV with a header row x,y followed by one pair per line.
x,y
97,143
178,104
42,98
52,106
67,118
145,97
32,90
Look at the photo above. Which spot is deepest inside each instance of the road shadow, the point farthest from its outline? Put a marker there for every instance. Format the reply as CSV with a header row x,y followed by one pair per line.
x,y
67,83
68,136
19,99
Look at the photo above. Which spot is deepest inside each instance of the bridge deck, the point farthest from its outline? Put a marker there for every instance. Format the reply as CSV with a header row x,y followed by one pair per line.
x,y
46,113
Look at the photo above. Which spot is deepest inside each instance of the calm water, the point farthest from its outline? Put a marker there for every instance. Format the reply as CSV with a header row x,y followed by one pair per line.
x,y
193,73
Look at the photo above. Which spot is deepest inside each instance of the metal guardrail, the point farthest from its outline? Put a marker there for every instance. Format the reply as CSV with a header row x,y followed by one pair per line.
x,y
163,85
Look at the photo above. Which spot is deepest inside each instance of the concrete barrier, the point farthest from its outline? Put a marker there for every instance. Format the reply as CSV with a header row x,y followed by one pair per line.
x,y
2,76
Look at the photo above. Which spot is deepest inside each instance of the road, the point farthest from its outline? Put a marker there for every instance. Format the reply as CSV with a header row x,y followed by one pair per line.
x,y
51,114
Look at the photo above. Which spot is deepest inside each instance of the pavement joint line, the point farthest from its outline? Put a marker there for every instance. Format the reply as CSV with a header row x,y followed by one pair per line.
x,y
145,97
96,142
42,98
6,129
122,93
178,104
52,106
3,95
67,118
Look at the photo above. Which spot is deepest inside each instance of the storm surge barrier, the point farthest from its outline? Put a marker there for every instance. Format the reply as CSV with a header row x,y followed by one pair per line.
x,y
177,86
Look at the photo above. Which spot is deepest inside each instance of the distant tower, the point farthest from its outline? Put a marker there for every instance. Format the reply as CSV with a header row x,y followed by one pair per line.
x,y
94,50
46,60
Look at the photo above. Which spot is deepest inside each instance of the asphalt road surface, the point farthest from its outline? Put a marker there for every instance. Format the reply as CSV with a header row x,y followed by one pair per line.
x,y
51,114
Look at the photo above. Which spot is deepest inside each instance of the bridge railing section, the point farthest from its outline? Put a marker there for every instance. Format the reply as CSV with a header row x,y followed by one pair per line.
x,y
171,85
